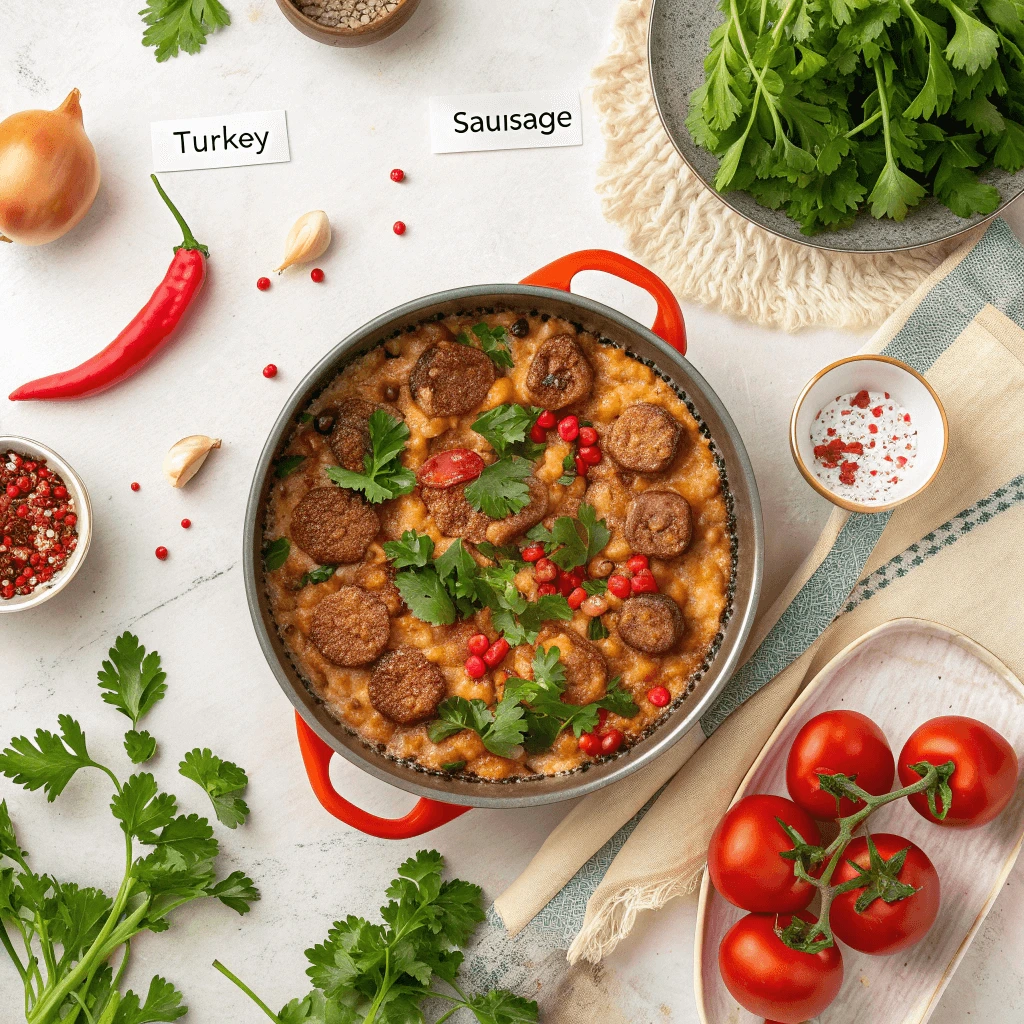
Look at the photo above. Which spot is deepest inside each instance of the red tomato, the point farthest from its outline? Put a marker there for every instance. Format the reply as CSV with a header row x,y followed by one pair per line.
x,y
986,768
838,741
771,980
883,928
454,466
744,860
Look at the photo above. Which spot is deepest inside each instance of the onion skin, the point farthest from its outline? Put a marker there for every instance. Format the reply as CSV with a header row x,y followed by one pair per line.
x,y
49,173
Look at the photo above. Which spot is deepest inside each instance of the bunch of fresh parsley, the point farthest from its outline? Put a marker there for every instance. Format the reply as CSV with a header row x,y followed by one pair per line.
x,y
174,25
501,489
383,475
453,586
382,973
70,934
531,712
819,107
493,343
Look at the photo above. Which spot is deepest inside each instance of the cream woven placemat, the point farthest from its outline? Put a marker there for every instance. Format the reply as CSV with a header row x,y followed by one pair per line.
x,y
703,250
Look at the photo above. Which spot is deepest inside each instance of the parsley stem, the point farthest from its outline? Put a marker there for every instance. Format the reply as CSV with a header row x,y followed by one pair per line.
x,y
248,991
883,104
864,124
5,940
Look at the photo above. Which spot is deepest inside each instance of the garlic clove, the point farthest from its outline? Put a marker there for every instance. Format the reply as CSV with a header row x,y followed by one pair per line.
x,y
309,237
186,457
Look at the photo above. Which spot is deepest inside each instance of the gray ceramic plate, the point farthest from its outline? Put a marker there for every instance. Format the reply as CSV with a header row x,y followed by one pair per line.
x,y
677,46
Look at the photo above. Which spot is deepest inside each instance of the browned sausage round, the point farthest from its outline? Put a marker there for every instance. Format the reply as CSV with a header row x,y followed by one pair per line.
x,y
650,622
644,438
451,379
586,672
559,374
333,525
350,627
405,687
659,523
504,531
453,515
350,439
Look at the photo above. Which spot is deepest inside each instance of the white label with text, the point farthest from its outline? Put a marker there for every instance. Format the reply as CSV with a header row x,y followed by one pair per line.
x,y
191,143
505,120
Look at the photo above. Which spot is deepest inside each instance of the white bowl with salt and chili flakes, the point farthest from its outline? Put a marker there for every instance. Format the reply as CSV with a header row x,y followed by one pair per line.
x,y
44,546
868,432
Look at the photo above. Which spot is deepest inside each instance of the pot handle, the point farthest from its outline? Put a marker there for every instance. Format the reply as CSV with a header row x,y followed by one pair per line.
x,y
668,324
424,817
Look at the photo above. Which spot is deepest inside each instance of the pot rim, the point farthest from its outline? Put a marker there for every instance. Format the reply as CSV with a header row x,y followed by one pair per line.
x,y
491,794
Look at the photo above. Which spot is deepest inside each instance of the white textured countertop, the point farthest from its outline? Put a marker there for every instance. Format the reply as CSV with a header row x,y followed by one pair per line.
x,y
352,115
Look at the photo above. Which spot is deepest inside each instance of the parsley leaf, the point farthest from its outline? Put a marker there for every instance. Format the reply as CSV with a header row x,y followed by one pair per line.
x,y
133,679
501,489
221,780
286,466
175,25
275,554
383,475
426,595
500,730
493,343
139,746
51,762
321,574
414,549
383,972
572,542
597,630
163,1003
505,427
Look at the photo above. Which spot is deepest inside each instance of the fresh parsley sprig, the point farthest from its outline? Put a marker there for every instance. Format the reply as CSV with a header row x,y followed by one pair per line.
x,y
174,25
573,542
493,343
382,973
383,475
75,933
531,712
501,489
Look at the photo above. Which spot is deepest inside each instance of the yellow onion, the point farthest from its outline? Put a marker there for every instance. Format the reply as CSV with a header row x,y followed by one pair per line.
x,y
49,173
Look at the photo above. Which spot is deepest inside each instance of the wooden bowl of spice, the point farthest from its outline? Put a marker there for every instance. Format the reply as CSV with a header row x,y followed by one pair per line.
x,y
348,22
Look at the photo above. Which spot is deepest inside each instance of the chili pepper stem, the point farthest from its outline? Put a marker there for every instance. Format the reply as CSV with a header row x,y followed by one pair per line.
x,y
189,241
819,935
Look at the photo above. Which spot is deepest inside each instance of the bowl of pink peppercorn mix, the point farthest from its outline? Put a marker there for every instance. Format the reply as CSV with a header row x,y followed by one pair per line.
x,y
45,523
869,433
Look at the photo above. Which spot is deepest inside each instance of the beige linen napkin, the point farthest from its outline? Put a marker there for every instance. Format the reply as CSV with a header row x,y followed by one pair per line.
x,y
954,555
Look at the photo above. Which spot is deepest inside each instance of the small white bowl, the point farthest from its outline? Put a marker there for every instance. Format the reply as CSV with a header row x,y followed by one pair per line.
x,y
907,387
83,510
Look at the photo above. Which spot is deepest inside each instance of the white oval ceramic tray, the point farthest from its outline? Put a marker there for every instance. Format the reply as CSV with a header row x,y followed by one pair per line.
x,y
900,675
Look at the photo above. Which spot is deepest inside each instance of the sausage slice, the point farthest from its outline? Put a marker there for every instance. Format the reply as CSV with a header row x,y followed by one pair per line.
x,y
659,523
559,374
650,622
350,439
453,515
405,687
350,627
644,438
504,531
450,379
334,526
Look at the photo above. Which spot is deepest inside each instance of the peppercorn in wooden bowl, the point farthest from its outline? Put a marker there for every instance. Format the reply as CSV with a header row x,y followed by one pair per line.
x,y
341,22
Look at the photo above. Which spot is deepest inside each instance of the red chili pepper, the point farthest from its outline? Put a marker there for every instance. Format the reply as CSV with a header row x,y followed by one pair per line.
x,y
144,336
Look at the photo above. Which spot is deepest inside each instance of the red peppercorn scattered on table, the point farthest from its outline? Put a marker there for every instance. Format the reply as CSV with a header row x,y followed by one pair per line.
x,y
161,552
316,274
37,524
263,283
398,174
136,485
270,370
186,523
399,227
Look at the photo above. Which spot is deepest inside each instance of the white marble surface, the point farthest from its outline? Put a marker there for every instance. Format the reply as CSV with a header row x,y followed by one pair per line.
x,y
472,218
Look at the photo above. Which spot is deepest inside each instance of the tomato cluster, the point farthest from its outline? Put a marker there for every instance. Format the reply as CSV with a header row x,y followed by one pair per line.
x,y
879,892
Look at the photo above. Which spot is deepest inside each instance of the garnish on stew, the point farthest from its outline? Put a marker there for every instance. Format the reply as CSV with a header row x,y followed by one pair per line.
x,y
493,343
572,542
383,475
